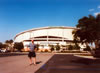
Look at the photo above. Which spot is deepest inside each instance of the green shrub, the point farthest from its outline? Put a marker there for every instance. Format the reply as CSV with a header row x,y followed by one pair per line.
x,y
57,47
52,47
87,48
70,47
19,46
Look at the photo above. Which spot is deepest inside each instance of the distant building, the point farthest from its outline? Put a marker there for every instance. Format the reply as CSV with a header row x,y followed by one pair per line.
x,y
46,36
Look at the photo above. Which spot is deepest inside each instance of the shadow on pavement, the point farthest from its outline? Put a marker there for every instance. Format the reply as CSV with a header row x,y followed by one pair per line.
x,y
64,63
38,62
86,61
12,54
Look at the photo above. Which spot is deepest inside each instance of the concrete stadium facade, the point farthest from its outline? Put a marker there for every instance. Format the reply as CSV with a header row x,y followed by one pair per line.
x,y
46,36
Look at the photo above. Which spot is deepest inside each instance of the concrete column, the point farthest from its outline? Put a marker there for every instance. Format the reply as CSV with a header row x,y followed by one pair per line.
x,y
62,36
47,38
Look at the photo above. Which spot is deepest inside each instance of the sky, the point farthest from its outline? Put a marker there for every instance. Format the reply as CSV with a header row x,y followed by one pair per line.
x,y
20,15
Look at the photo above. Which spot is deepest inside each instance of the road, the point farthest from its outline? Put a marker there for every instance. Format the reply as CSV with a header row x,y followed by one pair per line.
x,y
67,63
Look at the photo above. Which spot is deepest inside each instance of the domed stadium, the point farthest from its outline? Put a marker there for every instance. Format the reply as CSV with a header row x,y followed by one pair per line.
x,y
46,36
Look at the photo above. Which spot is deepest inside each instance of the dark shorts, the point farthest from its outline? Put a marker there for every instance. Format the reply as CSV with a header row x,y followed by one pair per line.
x,y
31,54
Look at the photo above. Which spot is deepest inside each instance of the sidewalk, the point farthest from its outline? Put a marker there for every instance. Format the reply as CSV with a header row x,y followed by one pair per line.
x,y
20,63
88,57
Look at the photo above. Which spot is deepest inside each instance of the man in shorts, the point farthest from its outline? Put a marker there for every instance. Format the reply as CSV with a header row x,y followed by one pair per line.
x,y
32,54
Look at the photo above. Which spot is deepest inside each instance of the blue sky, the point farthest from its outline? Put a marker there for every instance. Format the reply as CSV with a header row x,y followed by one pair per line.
x,y
19,15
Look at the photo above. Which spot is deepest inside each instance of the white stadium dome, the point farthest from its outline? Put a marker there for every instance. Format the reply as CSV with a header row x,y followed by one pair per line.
x,y
46,35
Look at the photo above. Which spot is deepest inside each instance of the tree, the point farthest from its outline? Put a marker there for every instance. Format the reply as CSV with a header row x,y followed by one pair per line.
x,y
37,46
88,30
9,43
76,46
19,46
52,47
57,47
5,45
70,47
1,45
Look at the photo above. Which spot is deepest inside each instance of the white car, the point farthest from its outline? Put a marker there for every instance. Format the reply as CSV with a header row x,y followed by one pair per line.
x,y
3,50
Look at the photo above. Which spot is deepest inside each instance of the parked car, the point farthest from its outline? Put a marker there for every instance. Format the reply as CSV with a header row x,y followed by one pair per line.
x,y
3,50
0,50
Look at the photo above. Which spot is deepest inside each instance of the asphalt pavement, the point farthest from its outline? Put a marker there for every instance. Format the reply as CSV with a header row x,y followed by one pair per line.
x,y
49,63
67,63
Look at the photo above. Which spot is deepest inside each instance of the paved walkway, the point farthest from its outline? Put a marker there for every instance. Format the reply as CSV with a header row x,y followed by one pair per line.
x,y
19,63
49,63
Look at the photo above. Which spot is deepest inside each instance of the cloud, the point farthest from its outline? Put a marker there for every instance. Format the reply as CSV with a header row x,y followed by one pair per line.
x,y
91,10
96,13
99,6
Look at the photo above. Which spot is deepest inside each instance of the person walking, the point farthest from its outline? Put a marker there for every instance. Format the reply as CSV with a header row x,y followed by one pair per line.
x,y
32,52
